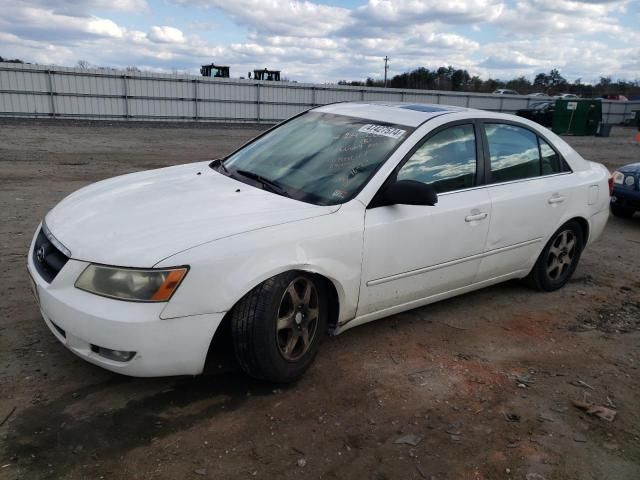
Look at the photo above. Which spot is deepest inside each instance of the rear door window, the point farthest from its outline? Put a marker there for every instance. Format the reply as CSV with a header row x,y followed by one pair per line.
x,y
517,153
514,152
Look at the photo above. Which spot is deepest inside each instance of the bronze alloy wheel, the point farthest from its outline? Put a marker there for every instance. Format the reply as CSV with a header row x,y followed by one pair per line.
x,y
277,327
297,318
559,258
561,254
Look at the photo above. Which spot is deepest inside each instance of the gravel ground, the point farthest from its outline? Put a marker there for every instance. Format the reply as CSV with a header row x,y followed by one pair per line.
x,y
476,387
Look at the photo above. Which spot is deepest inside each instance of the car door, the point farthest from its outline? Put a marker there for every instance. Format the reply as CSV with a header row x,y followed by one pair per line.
x,y
412,252
528,192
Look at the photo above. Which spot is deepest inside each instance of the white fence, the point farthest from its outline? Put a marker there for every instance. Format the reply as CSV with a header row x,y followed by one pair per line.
x,y
41,91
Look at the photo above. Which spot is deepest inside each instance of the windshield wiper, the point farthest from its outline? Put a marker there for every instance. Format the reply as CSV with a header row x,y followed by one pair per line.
x,y
266,183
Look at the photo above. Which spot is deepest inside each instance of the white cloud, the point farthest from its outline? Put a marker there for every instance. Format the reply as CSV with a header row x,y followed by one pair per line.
x,y
579,8
165,34
536,17
313,42
104,27
79,7
281,17
405,12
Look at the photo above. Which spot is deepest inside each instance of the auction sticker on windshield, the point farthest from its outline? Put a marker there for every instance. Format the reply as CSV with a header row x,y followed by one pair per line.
x,y
382,130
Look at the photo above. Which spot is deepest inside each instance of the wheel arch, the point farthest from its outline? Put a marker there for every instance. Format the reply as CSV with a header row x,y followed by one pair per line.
x,y
220,348
586,229
584,226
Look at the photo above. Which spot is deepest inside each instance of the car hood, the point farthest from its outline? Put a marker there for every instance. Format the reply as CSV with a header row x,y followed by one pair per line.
x,y
141,218
630,168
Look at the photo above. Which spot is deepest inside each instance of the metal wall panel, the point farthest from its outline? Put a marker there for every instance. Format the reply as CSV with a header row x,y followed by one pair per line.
x,y
32,90
286,95
485,103
280,112
23,81
382,96
410,96
87,85
140,107
158,88
228,111
455,100
330,96
17,103
89,106
219,90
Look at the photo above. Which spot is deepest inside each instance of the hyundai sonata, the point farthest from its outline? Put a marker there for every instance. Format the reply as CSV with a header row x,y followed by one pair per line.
x,y
341,215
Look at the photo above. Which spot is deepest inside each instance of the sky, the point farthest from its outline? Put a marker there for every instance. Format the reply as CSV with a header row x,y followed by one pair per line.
x,y
326,41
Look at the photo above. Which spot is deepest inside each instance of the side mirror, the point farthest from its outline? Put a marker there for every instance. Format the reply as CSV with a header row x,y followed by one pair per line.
x,y
410,192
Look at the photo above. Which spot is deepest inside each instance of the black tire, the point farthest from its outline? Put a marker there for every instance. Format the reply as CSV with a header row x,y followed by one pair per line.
x,y
552,269
260,346
622,212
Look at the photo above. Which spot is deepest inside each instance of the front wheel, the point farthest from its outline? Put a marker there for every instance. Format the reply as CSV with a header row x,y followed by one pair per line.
x,y
559,258
277,327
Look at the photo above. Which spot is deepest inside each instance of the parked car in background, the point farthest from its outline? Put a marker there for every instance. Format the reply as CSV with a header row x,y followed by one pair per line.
x,y
625,197
566,96
537,94
339,216
539,112
620,98
505,91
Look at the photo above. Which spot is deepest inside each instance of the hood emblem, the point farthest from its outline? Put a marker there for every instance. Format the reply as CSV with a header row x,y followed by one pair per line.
x,y
40,254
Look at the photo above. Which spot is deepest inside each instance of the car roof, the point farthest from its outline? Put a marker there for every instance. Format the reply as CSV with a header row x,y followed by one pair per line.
x,y
415,114
401,113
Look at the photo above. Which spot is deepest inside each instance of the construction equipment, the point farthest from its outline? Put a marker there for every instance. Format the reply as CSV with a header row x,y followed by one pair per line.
x,y
213,70
266,74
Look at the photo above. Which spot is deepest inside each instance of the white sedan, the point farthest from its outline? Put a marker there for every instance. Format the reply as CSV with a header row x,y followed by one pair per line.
x,y
339,216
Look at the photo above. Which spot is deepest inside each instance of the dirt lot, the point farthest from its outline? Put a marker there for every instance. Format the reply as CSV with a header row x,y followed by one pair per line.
x,y
482,383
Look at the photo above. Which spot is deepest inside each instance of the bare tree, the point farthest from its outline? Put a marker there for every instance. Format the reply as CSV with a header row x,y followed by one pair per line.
x,y
83,64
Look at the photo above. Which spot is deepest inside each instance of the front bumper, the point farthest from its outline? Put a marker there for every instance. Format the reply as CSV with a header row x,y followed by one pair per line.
x,y
82,321
625,197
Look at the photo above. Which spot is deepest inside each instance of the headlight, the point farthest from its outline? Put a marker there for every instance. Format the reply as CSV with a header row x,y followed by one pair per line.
x,y
618,178
131,284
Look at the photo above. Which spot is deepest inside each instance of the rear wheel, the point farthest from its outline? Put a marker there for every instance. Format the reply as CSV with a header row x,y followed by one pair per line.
x,y
278,326
620,211
559,258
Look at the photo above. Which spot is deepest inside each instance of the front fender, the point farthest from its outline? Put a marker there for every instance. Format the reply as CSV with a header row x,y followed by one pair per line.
x,y
223,271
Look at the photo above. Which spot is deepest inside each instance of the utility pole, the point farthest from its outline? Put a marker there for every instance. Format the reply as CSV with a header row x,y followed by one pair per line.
x,y
386,68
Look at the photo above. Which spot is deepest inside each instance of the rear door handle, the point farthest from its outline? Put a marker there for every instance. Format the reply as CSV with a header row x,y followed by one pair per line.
x,y
475,216
555,199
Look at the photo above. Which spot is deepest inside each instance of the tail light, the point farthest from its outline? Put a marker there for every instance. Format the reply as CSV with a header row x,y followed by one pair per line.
x,y
615,178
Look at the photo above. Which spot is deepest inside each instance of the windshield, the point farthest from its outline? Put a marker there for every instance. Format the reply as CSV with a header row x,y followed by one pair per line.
x,y
318,158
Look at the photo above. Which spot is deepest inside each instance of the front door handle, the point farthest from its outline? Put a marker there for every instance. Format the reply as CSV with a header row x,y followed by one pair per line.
x,y
555,199
476,216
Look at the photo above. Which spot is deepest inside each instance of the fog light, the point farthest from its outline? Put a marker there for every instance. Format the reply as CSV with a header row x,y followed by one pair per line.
x,y
115,355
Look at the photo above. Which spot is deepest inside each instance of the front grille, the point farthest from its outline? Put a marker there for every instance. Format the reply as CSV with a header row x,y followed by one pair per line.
x,y
47,259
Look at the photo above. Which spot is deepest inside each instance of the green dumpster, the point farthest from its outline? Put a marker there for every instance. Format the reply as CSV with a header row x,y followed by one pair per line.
x,y
638,119
577,117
